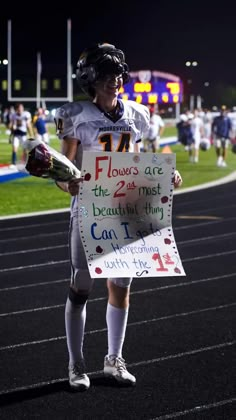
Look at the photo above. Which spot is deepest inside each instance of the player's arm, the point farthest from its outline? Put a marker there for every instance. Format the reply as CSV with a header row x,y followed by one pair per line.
x,y
69,149
69,145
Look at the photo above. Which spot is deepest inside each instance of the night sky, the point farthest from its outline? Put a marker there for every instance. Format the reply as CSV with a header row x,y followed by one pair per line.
x,y
155,35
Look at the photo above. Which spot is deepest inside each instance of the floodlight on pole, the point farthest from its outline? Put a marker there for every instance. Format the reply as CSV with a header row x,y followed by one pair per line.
x,y
37,98
69,66
9,81
39,71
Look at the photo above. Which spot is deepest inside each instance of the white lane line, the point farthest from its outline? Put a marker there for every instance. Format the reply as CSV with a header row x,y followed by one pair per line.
x,y
131,324
196,217
141,363
26,251
185,353
204,257
65,232
31,237
36,213
196,409
168,286
28,311
26,286
35,225
221,181
212,222
191,241
153,289
206,238
25,267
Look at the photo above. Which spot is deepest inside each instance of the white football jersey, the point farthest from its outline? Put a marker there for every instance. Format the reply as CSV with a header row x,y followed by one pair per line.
x,y
97,131
20,121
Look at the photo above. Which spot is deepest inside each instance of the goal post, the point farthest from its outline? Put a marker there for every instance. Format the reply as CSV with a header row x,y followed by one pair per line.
x,y
38,98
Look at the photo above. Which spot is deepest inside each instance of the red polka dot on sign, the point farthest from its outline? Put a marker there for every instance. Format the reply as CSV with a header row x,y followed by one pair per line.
x,y
87,177
164,199
98,270
167,241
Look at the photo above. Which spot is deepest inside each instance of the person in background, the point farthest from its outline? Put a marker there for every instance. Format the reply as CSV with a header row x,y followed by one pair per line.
x,y
101,123
185,135
221,130
40,126
207,122
155,131
197,129
20,125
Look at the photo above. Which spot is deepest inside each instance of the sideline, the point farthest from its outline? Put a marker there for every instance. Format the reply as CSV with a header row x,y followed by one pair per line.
x,y
229,178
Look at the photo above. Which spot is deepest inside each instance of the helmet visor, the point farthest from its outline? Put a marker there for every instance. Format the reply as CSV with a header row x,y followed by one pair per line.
x,y
110,65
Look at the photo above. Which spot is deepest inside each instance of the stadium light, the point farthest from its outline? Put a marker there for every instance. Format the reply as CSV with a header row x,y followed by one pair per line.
x,y
191,63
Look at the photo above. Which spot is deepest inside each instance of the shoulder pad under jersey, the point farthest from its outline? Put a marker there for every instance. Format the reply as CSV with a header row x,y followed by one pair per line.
x,y
139,112
70,115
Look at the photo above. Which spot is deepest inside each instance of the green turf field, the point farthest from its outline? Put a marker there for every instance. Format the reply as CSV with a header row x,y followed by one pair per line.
x,y
33,194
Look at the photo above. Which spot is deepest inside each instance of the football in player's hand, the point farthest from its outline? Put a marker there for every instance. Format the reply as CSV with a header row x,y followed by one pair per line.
x,y
205,145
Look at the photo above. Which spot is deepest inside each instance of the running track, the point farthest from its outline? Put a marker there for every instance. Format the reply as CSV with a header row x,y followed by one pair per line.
x,y
180,340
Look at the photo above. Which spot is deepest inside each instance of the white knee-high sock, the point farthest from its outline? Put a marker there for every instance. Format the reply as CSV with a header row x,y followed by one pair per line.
x,y
75,317
116,325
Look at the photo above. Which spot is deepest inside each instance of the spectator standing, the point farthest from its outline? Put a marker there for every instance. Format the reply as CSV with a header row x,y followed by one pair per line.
x,y
221,130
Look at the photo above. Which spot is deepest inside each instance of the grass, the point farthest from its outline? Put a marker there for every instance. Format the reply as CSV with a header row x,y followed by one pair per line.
x,y
29,194
33,194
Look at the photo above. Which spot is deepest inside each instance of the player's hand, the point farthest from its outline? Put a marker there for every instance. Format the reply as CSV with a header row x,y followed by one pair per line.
x,y
73,186
177,179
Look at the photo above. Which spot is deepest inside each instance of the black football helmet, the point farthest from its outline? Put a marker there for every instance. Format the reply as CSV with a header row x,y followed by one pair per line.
x,y
97,62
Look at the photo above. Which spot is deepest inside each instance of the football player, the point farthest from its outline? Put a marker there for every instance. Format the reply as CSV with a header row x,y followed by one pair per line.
x,y
20,125
102,123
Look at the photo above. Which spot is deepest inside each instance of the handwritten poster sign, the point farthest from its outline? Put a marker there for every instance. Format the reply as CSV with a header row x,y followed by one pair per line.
x,y
125,215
